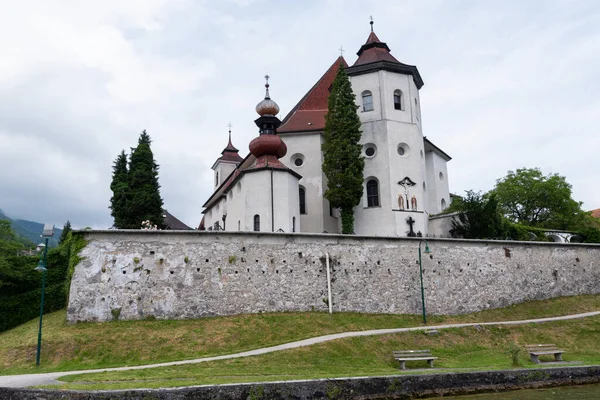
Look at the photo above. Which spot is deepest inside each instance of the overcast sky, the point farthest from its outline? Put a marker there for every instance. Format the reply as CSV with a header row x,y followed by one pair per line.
x,y
508,84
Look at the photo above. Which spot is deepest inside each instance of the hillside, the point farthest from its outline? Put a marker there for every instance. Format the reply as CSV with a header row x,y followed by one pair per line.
x,y
118,343
31,230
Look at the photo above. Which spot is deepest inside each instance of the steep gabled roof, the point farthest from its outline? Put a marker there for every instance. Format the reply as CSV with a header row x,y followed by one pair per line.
x,y
596,213
309,114
174,224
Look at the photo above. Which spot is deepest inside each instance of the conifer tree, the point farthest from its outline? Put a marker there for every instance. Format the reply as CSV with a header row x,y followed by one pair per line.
x,y
343,163
136,191
65,232
120,189
144,202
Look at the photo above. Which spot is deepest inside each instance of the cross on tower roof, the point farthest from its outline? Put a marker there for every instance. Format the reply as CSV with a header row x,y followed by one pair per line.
x,y
371,18
341,49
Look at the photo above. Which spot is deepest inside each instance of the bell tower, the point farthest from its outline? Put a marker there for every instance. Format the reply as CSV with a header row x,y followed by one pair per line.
x,y
387,95
226,163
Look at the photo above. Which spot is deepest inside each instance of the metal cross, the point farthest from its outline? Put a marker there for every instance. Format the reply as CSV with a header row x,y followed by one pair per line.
x,y
229,125
341,49
410,221
371,18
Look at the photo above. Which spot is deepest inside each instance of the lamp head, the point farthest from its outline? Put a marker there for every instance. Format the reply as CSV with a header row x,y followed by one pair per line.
x,y
427,251
48,230
41,267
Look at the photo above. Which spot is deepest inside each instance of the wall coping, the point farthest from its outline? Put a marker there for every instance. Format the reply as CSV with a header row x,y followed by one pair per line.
x,y
327,236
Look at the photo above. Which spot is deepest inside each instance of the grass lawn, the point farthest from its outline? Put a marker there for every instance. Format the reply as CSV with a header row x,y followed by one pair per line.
x,y
120,343
481,348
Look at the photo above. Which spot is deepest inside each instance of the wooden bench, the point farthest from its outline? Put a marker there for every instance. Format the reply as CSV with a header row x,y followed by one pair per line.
x,y
537,350
413,355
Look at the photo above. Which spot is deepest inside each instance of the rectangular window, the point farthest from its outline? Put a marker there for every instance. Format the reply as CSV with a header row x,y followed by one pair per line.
x,y
302,200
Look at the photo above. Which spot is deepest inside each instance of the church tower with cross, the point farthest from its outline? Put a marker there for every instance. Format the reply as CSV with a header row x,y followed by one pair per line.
x,y
257,193
405,176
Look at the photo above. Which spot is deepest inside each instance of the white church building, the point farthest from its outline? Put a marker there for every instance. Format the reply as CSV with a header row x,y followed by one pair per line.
x,y
279,186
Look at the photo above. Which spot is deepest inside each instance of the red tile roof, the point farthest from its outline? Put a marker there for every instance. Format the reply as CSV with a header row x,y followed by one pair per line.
x,y
309,113
230,153
374,50
596,213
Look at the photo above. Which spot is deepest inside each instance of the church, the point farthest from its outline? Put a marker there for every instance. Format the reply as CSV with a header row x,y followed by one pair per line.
x,y
279,186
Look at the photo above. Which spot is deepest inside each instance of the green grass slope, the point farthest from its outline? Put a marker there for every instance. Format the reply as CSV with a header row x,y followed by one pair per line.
x,y
119,343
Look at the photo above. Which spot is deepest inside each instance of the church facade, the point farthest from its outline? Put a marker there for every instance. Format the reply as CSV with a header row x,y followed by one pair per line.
x,y
279,186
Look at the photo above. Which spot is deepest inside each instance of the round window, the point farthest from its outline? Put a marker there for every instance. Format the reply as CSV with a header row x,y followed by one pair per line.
x,y
369,150
297,159
403,150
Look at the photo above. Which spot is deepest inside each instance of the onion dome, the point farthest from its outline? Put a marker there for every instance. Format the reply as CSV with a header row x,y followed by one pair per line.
x,y
268,145
267,106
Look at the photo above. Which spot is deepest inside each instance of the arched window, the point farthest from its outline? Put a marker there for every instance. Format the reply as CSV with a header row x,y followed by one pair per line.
x,y
367,100
302,200
293,224
443,204
216,179
257,223
398,100
372,193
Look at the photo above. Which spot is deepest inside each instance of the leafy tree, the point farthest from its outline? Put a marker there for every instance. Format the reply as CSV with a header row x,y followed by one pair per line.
x,y
120,189
528,197
343,163
65,232
136,195
479,216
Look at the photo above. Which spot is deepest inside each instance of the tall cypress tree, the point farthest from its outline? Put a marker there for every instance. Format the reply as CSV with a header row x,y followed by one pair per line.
x,y
120,189
144,203
343,163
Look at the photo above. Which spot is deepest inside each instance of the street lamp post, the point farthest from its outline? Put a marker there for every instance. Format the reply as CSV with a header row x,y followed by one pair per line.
x,y
41,267
427,251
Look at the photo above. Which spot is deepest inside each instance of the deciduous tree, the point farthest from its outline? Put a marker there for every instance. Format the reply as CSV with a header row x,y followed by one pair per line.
x,y
478,216
531,198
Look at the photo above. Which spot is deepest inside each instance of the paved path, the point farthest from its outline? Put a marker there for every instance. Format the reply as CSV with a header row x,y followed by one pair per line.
x,y
51,377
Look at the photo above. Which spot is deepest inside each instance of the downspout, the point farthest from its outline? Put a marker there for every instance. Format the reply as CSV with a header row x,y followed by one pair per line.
x,y
272,206
329,302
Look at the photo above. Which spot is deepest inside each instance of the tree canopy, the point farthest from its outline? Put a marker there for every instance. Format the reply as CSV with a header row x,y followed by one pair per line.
x,y
343,163
522,206
528,197
478,216
136,191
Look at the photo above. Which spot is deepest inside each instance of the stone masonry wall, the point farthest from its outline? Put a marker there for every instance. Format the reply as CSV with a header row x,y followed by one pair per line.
x,y
171,274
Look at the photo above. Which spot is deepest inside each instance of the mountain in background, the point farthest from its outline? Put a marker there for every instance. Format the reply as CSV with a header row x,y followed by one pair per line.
x,y
31,230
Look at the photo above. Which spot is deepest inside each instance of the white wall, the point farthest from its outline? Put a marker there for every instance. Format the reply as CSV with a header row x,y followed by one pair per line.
x,y
308,145
388,128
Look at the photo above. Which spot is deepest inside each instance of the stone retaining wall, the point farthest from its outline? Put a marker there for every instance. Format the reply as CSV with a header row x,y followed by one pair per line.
x,y
390,387
189,274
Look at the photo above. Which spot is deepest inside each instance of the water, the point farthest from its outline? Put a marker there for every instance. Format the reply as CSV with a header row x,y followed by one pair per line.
x,y
584,392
